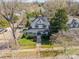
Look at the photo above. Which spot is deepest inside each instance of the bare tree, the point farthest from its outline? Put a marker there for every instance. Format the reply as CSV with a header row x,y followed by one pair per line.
x,y
52,5
72,7
7,11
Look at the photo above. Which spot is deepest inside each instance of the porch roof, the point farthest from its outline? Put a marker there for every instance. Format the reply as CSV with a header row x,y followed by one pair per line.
x,y
35,30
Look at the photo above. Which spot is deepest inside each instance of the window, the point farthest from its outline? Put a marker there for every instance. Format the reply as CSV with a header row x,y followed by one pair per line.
x,y
40,26
44,26
36,26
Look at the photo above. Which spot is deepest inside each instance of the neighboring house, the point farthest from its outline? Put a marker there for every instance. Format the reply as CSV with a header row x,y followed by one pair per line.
x,y
73,22
39,26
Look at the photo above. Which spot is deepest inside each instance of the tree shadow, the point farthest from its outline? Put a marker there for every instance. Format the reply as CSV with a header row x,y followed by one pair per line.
x,y
45,40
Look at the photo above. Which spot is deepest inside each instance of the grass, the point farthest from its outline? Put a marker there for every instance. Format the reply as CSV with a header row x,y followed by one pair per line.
x,y
47,53
23,54
46,46
26,43
50,53
73,51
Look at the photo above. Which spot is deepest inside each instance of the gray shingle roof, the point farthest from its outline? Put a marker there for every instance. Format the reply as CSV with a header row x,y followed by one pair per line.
x,y
44,18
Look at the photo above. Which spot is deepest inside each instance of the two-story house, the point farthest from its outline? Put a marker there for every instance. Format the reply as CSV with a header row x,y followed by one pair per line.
x,y
39,25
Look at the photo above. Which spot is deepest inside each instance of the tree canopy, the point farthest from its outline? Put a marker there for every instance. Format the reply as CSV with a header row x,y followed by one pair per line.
x,y
59,21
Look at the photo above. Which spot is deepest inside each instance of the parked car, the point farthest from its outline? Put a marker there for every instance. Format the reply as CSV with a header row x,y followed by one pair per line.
x,y
2,30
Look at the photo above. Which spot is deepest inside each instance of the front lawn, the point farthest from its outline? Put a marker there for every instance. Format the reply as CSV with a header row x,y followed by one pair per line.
x,y
26,43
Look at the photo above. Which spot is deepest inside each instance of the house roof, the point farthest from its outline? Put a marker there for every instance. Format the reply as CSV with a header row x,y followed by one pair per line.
x,y
35,30
43,18
71,18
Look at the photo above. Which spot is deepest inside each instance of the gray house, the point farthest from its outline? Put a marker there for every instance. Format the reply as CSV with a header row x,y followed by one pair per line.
x,y
39,26
73,22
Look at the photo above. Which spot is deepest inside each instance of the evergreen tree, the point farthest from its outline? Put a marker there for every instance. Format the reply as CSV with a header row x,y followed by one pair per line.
x,y
59,21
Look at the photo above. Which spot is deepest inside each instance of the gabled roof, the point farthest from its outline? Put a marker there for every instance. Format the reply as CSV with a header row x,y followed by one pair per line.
x,y
41,18
72,19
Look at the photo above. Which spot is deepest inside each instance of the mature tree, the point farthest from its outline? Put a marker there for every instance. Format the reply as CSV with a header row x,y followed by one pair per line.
x,y
59,22
73,8
7,11
52,5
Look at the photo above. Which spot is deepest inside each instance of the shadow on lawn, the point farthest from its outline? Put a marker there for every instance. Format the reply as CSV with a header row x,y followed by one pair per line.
x,y
46,40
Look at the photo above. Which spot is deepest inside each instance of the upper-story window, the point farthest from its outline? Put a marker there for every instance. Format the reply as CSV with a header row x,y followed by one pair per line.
x,y
40,26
